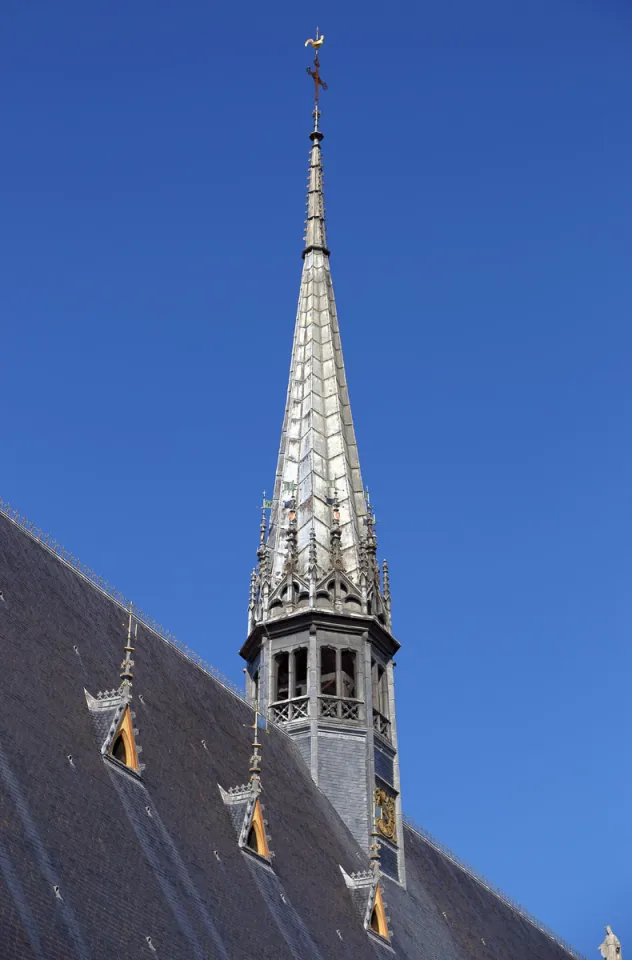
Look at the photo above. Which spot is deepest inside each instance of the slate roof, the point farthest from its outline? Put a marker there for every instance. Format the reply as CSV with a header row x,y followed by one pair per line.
x,y
93,861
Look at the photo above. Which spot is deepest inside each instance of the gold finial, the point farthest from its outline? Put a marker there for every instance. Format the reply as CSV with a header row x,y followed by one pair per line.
x,y
317,43
315,73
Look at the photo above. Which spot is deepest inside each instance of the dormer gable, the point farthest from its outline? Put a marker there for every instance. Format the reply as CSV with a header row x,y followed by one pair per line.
x,y
112,717
246,814
366,893
112,723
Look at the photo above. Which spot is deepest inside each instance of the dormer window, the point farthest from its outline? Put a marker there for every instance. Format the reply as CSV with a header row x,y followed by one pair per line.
x,y
367,896
123,746
118,750
379,924
257,840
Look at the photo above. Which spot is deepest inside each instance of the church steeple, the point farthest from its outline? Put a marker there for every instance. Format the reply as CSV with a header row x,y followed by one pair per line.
x,y
320,649
319,510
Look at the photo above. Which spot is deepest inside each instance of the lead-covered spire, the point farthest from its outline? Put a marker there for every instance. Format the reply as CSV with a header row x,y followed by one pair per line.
x,y
318,519
315,230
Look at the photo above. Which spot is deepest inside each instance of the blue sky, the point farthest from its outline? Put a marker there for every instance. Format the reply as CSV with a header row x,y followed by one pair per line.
x,y
477,161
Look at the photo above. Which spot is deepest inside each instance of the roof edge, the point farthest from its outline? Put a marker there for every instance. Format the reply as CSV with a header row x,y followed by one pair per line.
x,y
445,851
101,584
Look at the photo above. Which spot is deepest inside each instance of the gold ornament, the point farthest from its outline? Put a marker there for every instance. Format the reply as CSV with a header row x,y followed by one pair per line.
x,y
387,821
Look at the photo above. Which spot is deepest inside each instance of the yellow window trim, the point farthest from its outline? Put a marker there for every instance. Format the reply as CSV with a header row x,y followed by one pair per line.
x,y
260,831
378,916
126,732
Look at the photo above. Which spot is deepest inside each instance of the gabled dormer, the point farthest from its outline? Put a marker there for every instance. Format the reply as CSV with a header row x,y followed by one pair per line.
x,y
245,807
112,717
366,892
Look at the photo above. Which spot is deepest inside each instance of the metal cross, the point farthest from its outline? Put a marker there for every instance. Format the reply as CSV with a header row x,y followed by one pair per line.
x,y
315,75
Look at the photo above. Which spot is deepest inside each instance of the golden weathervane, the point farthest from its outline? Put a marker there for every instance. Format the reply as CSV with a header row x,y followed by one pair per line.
x,y
315,73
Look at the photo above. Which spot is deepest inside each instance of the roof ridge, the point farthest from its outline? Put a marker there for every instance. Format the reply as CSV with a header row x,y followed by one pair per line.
x,y
102,585
482,879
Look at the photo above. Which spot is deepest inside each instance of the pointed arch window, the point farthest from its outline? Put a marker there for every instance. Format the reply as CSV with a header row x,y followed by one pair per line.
x,y
118,750
379,924
257,840
123,746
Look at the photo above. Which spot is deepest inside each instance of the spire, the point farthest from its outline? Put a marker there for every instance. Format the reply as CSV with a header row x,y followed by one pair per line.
x,y
319,648
318,459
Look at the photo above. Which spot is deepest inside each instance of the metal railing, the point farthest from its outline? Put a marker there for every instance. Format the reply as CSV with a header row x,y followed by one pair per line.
x,y
106,588
484,882
284,711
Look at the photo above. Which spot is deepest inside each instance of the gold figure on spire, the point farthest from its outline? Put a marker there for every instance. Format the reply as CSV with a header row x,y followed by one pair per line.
x,y
315,73
317,43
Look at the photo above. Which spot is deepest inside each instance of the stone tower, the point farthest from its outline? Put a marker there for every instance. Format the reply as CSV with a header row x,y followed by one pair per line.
x,y
320,648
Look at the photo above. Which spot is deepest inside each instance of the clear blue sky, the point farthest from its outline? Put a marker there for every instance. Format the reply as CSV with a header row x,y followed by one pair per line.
x,y
478,169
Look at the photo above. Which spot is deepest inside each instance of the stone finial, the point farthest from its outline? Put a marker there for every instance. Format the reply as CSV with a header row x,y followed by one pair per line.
x,y
312,567
374,846
370,545
255,760
610,949
128,663
386,583
291,537
252,599
335,535
262,550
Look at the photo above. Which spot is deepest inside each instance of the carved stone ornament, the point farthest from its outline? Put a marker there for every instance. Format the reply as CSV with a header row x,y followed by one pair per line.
x,y
386,822
610,949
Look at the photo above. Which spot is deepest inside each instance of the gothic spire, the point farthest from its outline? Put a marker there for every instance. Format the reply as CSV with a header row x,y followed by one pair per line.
x,y
318,460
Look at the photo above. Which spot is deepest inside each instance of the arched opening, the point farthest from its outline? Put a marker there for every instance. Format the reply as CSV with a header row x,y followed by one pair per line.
x,y
348,671
300,672
118,750
123,746
252,841
256,840
282,666
379,679
328,672
378,916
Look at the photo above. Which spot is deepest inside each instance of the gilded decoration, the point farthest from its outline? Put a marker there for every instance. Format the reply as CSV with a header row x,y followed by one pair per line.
x,y
386,822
